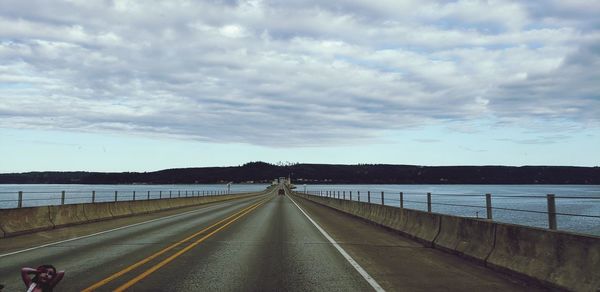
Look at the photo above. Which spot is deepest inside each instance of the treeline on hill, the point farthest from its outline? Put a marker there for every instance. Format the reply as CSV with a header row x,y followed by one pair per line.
x,y
260,172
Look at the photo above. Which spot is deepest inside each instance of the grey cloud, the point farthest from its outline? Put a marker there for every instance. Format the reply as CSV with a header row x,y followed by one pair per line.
x,y
325,72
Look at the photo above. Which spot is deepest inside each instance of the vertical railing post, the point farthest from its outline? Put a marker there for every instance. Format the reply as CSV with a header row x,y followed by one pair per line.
x,y
429,202
382,203
358,194
115,196
160,194
338,195
368,196
344,192
148,197
62,198
401,200
350,195
488,205
551,212
93,196
20,202
179,194
134,195
170,194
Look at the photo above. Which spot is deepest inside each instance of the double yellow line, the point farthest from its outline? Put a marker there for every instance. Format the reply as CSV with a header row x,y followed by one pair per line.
x,y
224,223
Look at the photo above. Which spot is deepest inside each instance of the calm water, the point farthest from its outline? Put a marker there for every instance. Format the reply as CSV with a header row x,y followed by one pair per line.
x,y
570,199
50,194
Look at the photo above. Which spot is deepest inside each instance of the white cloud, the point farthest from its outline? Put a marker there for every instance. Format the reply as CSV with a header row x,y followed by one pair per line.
x,y
238,71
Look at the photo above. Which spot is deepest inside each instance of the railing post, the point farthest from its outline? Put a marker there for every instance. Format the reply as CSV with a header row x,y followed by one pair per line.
x,y
488,205
115,196
338,195
179,194
344,192
134,195
401,200
350,195
358,194
62,198
170,194
160,194
93,196
148,197
20,202
429,202
382,203
551,211
368,196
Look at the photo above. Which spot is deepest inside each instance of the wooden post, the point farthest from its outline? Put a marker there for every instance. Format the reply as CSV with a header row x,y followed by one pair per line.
x,y
115,196
148,197
358,194
350,195
382,203
20,202
429,202
551,212
93,196
401,200
368,196
488,205
62,198
134,195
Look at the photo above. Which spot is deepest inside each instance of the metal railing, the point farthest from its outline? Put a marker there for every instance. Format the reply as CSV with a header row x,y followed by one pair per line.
x,y
38,198
399,199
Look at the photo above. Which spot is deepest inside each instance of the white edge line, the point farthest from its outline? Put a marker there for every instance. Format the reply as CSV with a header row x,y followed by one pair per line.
x,y
102,232
352,262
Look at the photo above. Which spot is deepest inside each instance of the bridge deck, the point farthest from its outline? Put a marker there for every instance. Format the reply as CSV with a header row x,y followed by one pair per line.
x,y
268,244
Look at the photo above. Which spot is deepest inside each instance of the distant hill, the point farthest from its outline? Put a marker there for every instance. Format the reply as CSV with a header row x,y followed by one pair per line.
x,y
260,172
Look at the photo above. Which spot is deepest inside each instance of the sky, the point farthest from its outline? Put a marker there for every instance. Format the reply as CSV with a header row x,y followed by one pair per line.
x,y
149,85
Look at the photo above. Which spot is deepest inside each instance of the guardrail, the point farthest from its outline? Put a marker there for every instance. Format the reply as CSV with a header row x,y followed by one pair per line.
x,y
39,198
399,199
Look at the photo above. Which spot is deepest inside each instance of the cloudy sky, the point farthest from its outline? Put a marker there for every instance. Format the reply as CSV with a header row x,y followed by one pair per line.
x,y
143,85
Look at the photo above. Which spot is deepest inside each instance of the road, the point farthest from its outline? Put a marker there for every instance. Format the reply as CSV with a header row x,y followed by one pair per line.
x,y
261,243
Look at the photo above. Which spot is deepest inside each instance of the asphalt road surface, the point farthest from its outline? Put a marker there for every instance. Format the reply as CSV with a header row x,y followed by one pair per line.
x,y
261,243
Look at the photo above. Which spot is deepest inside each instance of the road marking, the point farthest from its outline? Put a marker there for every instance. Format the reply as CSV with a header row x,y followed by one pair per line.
x,y
106,231
352,262
184,250
139,263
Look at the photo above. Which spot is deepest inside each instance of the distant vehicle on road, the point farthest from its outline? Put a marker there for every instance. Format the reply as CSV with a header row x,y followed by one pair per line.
x,y
281,192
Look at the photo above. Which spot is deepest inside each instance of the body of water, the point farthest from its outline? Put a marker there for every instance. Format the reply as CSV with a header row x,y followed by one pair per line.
x,y
517,204
50,194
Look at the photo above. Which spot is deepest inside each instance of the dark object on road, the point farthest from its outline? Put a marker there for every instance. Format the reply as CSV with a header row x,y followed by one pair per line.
x,y
45,279
281,192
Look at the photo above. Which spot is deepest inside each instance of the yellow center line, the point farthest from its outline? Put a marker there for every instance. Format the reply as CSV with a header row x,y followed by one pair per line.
x,y
186,249
131,267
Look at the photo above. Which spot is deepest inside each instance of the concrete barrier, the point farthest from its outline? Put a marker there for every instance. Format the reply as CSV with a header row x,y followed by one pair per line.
x,y
465,236
30,219
421,225
65,215
97,211
559,259
143,207
120,209
23,220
